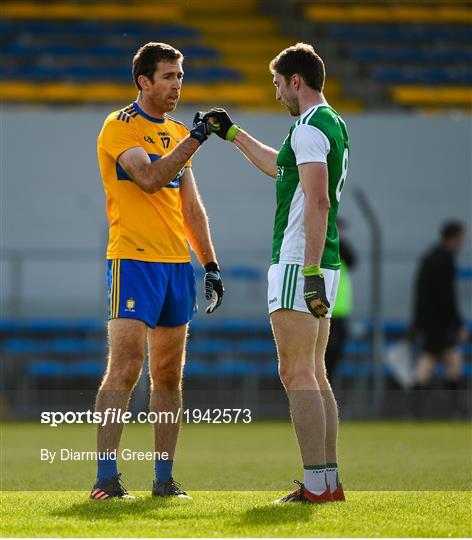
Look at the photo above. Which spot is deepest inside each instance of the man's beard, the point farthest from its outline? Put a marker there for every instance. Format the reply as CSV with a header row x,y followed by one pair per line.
x,y
164,105
293,108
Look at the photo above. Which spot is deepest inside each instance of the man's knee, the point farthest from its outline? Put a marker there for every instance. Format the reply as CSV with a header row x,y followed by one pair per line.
x,y
121,379
123,370
167,377
296,375
127,339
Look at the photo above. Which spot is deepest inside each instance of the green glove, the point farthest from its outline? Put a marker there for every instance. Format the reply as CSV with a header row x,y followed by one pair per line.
x,y
221,124
314,291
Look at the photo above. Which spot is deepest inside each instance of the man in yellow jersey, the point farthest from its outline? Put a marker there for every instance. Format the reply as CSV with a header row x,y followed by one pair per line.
x,y
154,211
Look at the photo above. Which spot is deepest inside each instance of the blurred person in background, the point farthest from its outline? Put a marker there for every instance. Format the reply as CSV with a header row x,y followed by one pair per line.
x,y
339,331
309,170
155,212
437,320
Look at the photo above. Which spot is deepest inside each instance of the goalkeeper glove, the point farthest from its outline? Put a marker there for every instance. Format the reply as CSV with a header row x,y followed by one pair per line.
x,y
213,286
314,291
222,124
201,128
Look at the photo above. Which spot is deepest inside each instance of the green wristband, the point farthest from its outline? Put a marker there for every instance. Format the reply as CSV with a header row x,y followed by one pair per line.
x,y
312,270
232,132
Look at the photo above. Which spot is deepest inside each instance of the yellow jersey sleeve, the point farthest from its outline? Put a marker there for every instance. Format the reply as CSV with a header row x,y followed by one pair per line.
x,y
118,136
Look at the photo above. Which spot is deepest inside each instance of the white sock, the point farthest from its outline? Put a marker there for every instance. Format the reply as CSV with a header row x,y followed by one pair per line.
x,y
332,476
314,479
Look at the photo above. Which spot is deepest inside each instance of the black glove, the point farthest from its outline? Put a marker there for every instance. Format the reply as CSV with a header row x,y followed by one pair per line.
x,y
314,291
201,128
213,286
221,124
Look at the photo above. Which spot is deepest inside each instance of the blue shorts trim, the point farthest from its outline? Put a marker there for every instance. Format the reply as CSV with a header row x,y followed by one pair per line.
x,y
160,294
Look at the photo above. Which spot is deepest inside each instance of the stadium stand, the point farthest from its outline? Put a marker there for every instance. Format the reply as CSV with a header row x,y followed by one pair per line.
x,y
391,54
405,53
67,349
68,53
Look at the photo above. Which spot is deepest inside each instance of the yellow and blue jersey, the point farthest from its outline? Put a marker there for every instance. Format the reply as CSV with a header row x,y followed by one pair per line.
x,y
143,226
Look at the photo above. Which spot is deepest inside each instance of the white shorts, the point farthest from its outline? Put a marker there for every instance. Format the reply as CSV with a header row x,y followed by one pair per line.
x,y
285,290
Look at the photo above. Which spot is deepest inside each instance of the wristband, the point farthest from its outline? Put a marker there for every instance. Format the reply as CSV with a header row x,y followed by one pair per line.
x,y
312,270
232,132
211,267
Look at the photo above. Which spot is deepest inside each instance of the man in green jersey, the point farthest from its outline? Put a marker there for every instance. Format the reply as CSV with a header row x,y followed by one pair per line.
x,y
310,170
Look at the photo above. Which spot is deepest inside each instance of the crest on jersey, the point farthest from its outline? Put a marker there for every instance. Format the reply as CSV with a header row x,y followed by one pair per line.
x,y
130,304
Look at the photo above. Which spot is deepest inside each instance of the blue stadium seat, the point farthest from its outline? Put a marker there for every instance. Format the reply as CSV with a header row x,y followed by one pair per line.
x,y
56,346
49,368
257,346
72,29
99,53
53,51
52,348
210,346
111,73
399,33
421,75
231,326
410,54
51,326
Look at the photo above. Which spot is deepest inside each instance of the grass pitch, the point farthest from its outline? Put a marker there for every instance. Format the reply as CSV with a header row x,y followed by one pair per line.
x,y
237,514
401,480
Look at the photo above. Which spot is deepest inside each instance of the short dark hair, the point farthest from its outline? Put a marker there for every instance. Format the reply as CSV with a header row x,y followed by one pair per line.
x,y
146,59
451,229
302,59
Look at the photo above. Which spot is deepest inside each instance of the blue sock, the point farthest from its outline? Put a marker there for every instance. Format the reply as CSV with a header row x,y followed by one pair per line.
x,y
106,468
163,469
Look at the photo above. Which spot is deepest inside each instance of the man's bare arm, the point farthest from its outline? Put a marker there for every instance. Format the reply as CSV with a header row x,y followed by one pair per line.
x,y
259,154
195,219
262,156
152,176
314,182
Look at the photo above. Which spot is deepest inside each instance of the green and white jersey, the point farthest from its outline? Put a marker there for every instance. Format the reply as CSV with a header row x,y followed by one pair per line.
x,y
319,135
